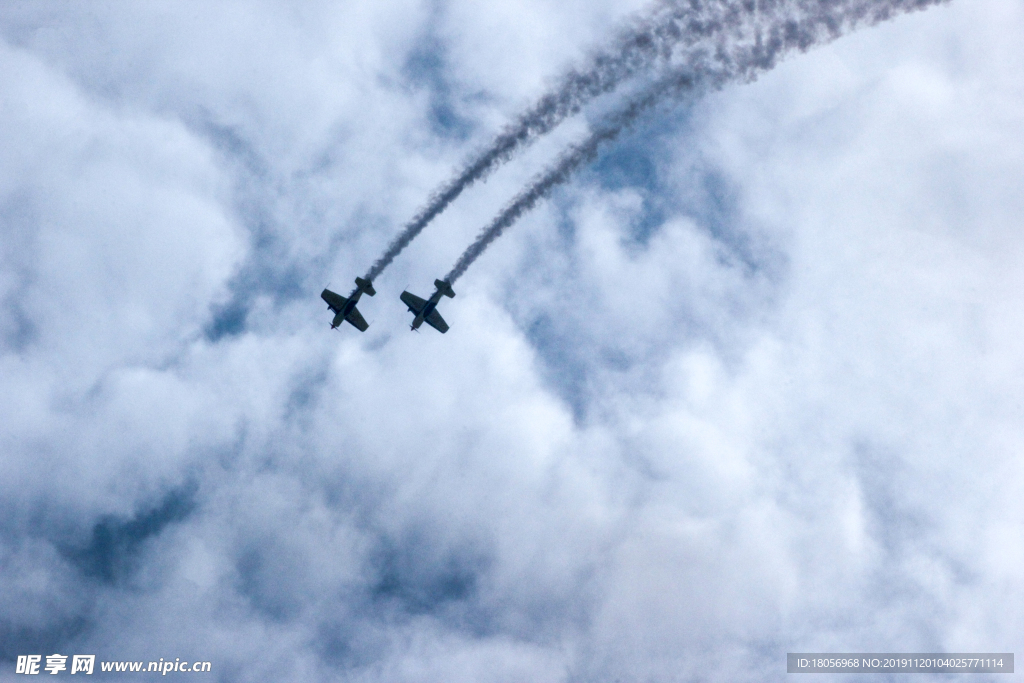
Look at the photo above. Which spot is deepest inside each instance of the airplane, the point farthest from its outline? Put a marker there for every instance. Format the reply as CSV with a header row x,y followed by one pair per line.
x,y
345,309
427,310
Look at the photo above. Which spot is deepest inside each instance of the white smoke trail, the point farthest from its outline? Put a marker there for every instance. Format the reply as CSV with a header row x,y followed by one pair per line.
x,y
671,26
790,26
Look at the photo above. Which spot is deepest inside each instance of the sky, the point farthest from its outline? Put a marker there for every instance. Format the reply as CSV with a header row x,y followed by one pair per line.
x,y
750,384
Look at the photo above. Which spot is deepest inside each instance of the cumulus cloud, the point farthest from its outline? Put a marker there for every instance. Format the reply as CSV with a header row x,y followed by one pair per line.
x,y
748,386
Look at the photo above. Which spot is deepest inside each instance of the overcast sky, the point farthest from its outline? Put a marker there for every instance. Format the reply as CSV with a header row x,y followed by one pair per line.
x,y
751,384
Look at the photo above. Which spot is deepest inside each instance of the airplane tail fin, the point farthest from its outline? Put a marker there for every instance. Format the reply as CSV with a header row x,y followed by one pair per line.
x,y
445,288
366,286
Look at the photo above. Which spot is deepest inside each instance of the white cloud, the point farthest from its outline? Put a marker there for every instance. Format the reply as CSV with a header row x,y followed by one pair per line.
x,y
754,393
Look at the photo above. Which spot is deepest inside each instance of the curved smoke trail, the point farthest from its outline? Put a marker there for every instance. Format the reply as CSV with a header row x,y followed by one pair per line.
x,y
814,22
673,25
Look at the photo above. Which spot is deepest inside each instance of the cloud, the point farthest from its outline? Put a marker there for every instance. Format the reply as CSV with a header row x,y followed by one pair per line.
x,y
747,386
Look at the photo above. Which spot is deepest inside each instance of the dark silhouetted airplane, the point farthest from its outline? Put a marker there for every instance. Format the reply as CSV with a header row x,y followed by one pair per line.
x,y
427,310
345,309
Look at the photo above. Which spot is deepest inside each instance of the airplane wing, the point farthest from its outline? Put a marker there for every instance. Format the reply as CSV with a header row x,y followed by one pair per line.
x,y
356,319
415,303
435,320
335,301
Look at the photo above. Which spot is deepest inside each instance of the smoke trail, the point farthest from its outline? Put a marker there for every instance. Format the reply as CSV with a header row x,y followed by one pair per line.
x,y
822,22
671,26
562,170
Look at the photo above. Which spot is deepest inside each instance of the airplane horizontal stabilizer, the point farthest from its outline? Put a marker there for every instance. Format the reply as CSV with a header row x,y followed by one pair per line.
x,y
445,288
366,286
